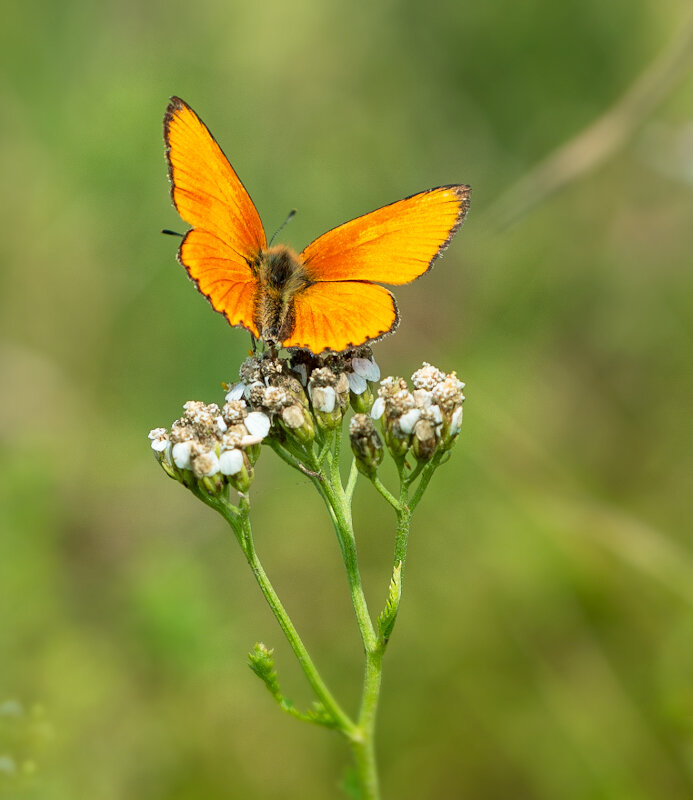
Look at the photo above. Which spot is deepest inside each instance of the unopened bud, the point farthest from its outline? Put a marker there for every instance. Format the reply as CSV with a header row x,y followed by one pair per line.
x,y
342,390
424,441
362,403
452,425
294,388
400,415
396,439
296,421
365,444
329,397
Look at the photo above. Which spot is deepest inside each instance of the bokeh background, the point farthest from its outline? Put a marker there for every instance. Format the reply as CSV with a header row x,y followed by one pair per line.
x,y
545,643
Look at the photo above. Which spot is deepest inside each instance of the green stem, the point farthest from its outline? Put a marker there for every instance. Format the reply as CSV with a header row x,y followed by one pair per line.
x,y
402,536
336,500
404,512
351,482
380,486
245,536
363,748
426,475
287,456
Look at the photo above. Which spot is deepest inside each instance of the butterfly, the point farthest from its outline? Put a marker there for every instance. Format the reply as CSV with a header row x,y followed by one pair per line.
x,y
326,298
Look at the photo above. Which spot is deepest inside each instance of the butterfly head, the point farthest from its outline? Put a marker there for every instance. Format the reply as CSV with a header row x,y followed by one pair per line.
x,y
280,268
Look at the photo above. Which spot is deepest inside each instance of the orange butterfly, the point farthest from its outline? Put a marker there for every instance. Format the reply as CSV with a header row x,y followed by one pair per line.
x,y
322,299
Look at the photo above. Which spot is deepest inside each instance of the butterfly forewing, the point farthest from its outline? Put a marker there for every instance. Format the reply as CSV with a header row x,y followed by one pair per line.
x,y
228,233
395,244
204,186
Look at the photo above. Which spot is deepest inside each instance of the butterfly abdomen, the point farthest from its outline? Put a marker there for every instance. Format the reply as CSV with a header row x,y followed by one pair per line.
x,y
281,274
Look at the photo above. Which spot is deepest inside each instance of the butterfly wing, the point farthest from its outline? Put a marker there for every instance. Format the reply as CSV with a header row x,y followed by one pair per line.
x,y
223,279
340,315
395,244
227,232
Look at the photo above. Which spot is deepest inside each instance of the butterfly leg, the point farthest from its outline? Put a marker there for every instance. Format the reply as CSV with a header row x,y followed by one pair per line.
x,y
273,352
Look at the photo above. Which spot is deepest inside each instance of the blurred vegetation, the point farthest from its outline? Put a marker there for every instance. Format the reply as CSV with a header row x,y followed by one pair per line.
x,y
545,644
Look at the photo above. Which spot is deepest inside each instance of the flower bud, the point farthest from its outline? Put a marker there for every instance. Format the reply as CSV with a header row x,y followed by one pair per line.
x,y
365,444
329,396
295,389
449,398
399,415
396,439
424,440
362,401
297,421
342,390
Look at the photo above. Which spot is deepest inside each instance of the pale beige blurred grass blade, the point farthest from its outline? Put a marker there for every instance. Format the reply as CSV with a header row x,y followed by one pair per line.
x,y
601,139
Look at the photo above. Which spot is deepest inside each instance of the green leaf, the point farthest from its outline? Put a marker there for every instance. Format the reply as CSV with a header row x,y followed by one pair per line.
x,y
261,662
386,620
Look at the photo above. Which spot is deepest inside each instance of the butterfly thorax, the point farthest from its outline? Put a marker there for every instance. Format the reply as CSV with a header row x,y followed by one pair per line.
x,y
281,274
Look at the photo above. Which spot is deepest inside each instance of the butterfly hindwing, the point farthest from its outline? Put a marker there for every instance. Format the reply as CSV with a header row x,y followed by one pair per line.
x,y
337,316
394,244
223,279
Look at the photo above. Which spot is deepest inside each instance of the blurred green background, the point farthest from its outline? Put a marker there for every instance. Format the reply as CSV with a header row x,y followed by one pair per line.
x,y
545,643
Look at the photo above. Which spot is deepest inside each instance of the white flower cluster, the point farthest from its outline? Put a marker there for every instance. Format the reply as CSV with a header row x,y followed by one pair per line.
x,y
208,441
425,418
293,401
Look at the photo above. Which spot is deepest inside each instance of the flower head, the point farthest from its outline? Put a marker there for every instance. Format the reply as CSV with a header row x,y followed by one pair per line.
x,y
197,446
426,418
365,444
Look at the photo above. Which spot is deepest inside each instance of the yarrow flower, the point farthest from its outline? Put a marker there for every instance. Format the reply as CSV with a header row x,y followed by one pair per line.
x,y
211,447
295,399
425,419
297,406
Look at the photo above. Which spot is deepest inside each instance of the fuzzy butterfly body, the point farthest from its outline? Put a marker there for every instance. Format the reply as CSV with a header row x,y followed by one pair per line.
x,y
326,298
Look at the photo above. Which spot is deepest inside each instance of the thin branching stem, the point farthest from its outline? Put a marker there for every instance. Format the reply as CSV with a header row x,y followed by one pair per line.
x,y
380,486
426,475
351,481
243,530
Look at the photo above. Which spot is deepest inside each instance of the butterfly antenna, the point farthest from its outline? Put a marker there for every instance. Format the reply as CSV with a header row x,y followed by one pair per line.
x,y
289,217
172,233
